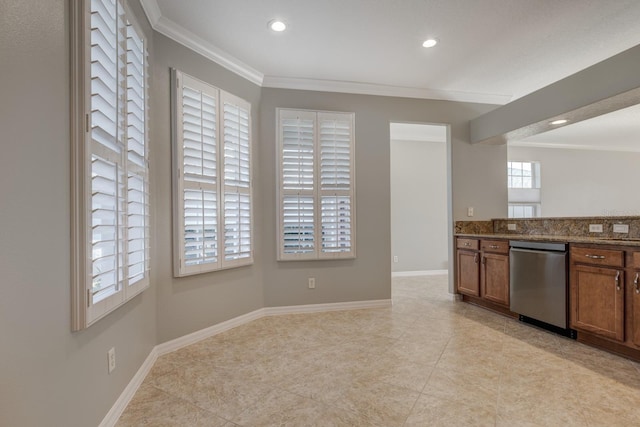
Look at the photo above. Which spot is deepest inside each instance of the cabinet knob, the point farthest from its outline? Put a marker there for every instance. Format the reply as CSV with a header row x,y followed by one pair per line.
x,y
618,280
475,258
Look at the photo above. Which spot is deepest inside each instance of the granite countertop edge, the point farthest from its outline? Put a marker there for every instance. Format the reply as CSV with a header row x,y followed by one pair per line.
x,y
555,238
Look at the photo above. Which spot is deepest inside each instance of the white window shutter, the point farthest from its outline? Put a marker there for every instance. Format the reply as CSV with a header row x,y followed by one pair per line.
x,y
212,179
237,181
112,160
316,185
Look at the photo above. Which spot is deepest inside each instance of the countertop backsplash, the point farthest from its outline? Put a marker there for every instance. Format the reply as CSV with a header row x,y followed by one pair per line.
x,y
566,226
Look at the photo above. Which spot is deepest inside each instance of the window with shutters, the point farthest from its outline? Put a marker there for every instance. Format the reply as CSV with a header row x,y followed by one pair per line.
x,y
524,192
316,185
212,178
110,158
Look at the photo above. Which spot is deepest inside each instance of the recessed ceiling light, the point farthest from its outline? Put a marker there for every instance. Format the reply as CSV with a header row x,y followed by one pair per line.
x,y
559,122
277,25
430,43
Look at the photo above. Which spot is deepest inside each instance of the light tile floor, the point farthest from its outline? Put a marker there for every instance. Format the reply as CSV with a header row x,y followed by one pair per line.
x,y
427,361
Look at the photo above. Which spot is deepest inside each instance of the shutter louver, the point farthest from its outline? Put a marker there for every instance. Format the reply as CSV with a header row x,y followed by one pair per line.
x,y
298,224
297,154
200,227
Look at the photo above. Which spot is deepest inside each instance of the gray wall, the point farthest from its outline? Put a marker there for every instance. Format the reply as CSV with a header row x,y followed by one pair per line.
x,y
368,277
584,182
49,376
419,205
191,303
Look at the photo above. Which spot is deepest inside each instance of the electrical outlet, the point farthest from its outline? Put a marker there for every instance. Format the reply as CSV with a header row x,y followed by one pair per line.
x,y
470,211
111,358
395,258
595,228
511,227
312,282
620,228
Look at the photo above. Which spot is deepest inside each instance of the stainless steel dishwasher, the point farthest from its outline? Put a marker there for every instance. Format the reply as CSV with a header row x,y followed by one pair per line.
x,y
538,284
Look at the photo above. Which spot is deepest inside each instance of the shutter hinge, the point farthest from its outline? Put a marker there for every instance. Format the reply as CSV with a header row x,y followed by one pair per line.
x,y
86,122
88,297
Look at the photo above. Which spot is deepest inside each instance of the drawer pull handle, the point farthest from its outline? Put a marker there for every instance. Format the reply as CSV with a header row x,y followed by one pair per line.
x,y
467,244
484,260
475,258
617,280
494,246
594,256
636,283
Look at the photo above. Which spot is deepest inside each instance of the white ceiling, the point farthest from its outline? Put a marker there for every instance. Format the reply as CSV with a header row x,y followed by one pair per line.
x,y
490,50
616,131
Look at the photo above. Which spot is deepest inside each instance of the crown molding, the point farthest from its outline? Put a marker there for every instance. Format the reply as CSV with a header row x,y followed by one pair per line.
x,y
185,37
381,90
554,146
152,10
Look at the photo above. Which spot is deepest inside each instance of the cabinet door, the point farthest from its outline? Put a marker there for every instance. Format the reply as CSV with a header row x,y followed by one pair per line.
x,y
635,306
495,278
597,301
468,272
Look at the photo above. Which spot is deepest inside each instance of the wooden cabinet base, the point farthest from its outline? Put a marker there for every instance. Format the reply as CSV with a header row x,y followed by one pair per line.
x,y
604,344
498,308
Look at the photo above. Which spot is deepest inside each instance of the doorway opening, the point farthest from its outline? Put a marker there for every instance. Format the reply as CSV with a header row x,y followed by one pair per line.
x,y
421,203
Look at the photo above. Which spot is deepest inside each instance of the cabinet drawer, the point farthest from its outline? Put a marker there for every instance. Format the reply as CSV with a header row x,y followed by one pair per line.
x,y
497,246
636,260
467,243
606,257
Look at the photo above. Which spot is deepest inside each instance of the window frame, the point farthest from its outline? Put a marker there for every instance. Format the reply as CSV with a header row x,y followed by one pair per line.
x,y
525,196
220,186
317,192
85,311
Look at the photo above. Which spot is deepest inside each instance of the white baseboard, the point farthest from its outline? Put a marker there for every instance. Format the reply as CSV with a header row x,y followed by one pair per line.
x,y
336,306
130,390
419,273
194,337
125,397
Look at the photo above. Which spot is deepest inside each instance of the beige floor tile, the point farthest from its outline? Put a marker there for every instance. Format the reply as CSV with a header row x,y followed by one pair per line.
x,y
426,361
282,409
378,403
437,411
155,408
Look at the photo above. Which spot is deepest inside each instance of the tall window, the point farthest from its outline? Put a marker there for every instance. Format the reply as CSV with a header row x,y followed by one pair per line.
x,y
110,177
316,185
524,189
212,176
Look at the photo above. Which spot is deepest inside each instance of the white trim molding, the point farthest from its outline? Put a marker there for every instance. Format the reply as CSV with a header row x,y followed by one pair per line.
x,y
382,90
111,419
419,273
187,38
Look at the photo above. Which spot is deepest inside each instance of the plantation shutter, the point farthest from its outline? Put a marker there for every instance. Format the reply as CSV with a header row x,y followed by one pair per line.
x,y
212,178
198,166
107,147
137,180
336,177
118,204
237,179
316,185
297,190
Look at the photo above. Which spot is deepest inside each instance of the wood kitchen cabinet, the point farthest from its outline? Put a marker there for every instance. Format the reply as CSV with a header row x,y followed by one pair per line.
x,y
633,292
483,269
495,278
597,291
468,266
